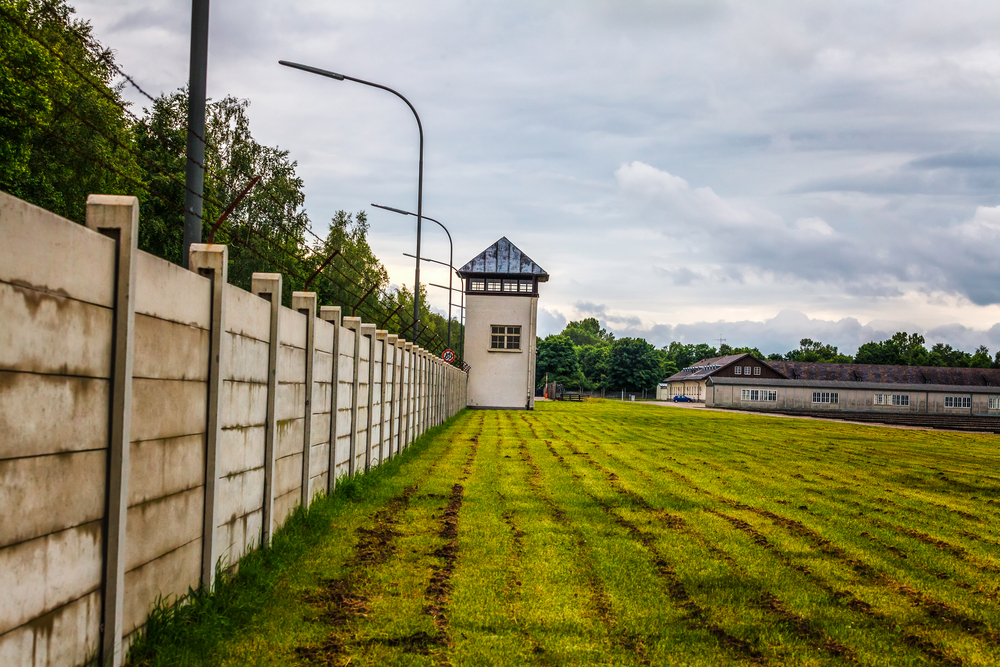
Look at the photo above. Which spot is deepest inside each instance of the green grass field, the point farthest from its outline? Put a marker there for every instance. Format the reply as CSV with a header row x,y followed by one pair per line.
x,y
609,533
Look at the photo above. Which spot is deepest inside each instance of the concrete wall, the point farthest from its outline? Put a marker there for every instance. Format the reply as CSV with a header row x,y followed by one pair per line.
x,y
153,418
500,378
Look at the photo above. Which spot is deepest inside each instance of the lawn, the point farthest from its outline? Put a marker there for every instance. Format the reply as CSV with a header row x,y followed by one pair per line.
x,y
611,533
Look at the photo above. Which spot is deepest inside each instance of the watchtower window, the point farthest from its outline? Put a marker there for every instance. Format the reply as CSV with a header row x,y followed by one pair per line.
x,y
493,285
477,285
505,337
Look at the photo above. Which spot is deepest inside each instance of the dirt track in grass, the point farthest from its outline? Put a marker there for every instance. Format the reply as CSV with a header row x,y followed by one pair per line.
x,y
609,533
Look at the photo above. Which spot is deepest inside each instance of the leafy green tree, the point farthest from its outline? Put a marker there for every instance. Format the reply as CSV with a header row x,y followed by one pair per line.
x,y
588,332
633,364
815,351
557,360
902,349
683,355
64,130
593,362
981,358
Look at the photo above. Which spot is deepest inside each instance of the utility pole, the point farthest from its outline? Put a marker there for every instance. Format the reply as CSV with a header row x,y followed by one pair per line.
x,y
194,173
721,341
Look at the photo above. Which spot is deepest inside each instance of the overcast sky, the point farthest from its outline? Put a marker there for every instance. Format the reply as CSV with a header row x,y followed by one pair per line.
x,y
682,169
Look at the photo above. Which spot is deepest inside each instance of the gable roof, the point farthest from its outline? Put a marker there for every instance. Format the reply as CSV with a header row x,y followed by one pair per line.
x,y
702,369
802,370
503,258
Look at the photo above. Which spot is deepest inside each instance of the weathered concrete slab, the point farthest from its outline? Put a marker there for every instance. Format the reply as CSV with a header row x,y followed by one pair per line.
x,y
167,408
238,536
246,358
85,270
290,434
67,635
48,414
291,364
169,351
241,449
287,474
324,336
169,575
48,333
159,526
247,314
33,493
291,401
320,429
48,572
163,467
240,494
293,327
244,404
284,506
171,292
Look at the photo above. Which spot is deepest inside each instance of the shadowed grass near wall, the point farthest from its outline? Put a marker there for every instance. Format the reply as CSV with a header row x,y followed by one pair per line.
x,y
184,631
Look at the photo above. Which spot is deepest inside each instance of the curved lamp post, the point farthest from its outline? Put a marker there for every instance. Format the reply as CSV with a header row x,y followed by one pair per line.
x,y
420,173
451,256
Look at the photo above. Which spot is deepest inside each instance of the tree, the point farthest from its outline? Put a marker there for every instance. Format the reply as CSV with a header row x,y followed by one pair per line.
x,y
588,332
593,362
64,130
981,358
815,351
633,364
557,359
902,349
683,355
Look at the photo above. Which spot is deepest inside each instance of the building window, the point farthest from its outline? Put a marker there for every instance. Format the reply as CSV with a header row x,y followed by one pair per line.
x,y
477,285
493,285
994,402
527,286
826,397
758,395
756,370
505,338
746,370
958,401
739,370
510,286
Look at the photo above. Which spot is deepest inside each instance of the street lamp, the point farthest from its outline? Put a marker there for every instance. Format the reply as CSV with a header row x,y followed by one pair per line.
x,y
451,256
420,172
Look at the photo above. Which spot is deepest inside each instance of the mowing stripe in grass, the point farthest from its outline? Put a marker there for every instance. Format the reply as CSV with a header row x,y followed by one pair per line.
x,y
836,647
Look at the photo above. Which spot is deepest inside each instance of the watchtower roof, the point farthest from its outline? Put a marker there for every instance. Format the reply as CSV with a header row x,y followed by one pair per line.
x,y
503,258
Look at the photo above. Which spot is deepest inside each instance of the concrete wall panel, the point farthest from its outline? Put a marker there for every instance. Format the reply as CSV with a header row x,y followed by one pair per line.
x,y
171,292
48,414
319,459
48,572
285,505
164,467
246,358
170,576
287,474
247,314
239,536
240,494
290,438
291,401
292,326
320,429
33,493
323,336
322,366
33,237
291,364
167,408
161,525
67,635
47,333
243,404
169,351
241,449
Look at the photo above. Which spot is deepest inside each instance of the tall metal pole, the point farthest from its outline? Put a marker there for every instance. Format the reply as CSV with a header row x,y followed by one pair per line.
x,y
420,172
194,173
451,256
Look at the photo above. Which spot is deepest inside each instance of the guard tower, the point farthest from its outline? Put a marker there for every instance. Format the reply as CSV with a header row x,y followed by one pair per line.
x,y
501,314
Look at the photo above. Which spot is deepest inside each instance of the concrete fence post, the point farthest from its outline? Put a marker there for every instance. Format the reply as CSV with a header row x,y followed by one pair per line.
x,y
117,218
408,429
331,314
368,332
380,336
268,287
305,303
212,261
418,391
392,348
354,324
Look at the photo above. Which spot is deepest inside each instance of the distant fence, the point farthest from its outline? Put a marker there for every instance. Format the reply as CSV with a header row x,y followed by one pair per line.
x,y
155,420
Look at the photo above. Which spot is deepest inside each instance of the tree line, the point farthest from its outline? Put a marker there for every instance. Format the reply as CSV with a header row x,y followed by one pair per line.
x,y
66,131
586,356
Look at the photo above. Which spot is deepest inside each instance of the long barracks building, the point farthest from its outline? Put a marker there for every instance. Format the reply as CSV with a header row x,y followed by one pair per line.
x,y
744,382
